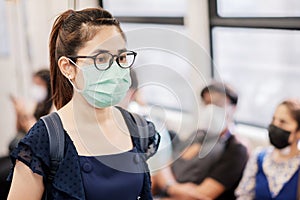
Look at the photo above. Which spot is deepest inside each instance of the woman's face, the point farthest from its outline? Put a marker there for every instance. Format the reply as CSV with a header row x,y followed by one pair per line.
x,y
108,38
283,119
38,89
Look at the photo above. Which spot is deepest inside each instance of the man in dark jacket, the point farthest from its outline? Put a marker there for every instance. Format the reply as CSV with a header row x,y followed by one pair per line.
x,y
215,172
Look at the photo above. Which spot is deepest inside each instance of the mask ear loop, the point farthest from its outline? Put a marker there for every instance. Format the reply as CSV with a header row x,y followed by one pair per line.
x,y
75,88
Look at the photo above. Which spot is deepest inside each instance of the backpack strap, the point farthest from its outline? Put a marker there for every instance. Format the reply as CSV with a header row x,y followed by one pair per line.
x,y
144,134
56,141
142,130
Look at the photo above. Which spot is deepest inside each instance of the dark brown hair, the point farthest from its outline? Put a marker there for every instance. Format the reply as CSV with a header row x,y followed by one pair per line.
x,y
223,89
293,105
70,31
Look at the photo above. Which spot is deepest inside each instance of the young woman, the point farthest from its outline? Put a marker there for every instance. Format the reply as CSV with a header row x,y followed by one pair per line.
x,y
273,173
89,75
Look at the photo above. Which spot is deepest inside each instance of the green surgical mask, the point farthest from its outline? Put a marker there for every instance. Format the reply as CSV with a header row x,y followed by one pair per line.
x,y
104,88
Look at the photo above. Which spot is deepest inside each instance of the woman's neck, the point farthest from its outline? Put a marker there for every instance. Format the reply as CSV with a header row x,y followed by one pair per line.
x,y
81,110
288,152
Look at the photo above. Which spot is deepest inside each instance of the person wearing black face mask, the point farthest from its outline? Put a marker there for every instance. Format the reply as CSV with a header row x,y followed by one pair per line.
x,y
273,173
279,137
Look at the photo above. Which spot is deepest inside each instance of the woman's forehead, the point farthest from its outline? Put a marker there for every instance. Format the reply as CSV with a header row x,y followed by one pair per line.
x,y
107,38
283,112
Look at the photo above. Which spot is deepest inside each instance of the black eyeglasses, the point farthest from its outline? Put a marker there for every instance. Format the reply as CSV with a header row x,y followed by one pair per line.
x,y
103,60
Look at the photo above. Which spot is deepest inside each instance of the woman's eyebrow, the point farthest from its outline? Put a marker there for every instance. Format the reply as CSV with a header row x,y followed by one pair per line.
x,y
99,51
106,51
122,50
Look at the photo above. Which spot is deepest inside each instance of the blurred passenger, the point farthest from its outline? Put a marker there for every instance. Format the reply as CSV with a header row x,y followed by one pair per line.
x,y
135,103
40,95
89,66
215,172
273,172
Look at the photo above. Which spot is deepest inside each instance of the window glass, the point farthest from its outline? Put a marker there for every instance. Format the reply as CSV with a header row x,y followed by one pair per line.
x,y
145,7
258,8
263,65
155,63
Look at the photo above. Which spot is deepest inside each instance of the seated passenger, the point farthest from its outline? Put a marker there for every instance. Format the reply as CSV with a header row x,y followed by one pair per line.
x,y
215,172
273,172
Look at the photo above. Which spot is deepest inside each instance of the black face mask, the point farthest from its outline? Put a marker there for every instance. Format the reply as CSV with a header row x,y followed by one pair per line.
x,y
279,138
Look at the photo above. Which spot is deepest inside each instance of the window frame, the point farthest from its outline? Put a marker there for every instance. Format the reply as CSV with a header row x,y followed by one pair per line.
x,y
289,23
149,19
276,23
215,20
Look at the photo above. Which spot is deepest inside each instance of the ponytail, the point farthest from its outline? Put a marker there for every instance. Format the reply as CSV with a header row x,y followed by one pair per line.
x,y
62,90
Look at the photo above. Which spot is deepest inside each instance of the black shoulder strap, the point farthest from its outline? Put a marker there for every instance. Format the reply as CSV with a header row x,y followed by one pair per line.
x,y
148,137
56,141
143,131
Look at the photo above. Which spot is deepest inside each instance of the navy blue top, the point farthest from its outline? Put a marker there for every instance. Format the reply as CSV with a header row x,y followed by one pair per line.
x,y
33,151
111,180
262,190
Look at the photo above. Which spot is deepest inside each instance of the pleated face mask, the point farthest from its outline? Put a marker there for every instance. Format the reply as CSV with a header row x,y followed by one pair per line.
x,y
104,88
279,138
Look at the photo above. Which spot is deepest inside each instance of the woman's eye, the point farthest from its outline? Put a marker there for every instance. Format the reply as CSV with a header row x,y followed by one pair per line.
x,y
102,58
122,58
282,121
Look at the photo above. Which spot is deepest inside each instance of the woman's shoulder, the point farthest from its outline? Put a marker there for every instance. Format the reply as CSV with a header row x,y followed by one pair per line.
x,y
33,149
261,152
37,135
264,150
35,144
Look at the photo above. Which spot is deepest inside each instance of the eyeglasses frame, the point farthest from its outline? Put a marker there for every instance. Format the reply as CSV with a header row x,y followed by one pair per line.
x,y
111,60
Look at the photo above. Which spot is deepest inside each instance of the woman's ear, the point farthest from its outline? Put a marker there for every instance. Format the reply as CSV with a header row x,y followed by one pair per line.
x,y
66,68
295,136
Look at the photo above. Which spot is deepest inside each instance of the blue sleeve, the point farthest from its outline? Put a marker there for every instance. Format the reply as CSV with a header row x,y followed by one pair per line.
x,y
33,150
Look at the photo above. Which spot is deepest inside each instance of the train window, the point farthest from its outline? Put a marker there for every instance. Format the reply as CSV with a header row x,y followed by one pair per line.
x,y
258,8
145,7
263,64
